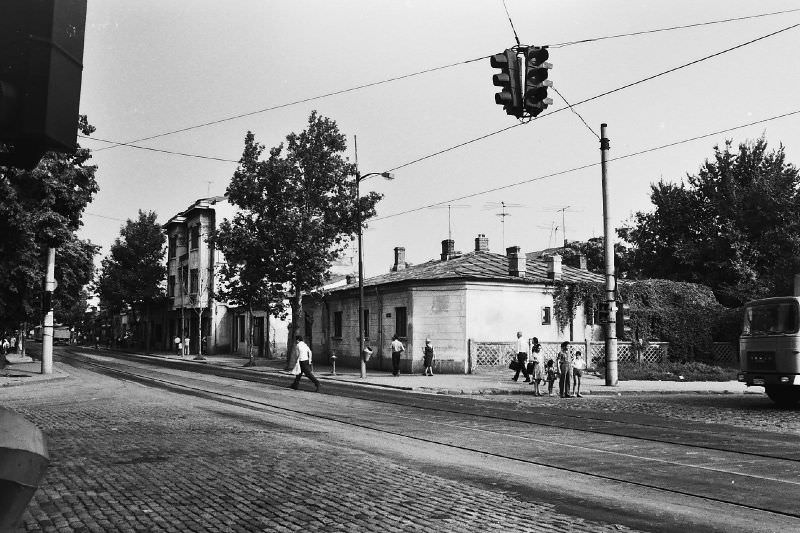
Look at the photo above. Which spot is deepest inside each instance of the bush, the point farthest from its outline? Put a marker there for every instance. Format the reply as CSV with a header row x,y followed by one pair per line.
x,y
674,371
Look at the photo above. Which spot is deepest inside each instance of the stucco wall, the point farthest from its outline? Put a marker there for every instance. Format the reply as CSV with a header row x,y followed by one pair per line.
x,y
439,314
496,312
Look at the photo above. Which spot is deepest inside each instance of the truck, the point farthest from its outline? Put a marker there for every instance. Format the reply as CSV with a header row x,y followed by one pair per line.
x,y
61,335
769,348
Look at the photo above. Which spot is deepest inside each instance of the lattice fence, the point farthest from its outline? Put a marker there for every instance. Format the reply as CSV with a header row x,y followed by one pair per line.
x,y
490,353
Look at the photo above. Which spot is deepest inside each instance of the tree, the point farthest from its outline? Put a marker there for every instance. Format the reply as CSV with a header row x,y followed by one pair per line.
x,y
42,208
734,226
594,251
300,207
132,275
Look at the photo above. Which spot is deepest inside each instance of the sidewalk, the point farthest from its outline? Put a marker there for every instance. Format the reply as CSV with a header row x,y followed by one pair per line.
x,y
24,370
484,381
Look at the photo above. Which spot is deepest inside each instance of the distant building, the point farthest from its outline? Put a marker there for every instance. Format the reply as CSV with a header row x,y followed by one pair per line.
x,y
192,282
477,295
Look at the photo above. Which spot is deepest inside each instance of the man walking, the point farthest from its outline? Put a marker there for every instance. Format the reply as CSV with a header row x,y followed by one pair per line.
x,y
522,357
302,354
397,349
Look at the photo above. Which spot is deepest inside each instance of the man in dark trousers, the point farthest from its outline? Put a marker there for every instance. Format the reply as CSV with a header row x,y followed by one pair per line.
x,y
522,357
302,354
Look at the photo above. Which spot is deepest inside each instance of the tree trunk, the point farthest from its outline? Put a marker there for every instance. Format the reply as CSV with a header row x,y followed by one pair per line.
x,y
267,351
147,329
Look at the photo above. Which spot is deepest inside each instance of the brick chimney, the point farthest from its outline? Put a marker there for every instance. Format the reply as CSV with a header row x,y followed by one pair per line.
x,y
554,267
516,262
577,261
448,249
399,259
481,243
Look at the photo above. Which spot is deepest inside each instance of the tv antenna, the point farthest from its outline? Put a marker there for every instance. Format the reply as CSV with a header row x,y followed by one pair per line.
x,y
504,206
449,207
563,211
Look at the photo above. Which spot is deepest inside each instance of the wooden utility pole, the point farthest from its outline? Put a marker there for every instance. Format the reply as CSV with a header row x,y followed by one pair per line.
x,y
611,287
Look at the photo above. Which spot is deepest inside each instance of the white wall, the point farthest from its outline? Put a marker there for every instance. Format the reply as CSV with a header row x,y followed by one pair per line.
x,y
440,313
497,311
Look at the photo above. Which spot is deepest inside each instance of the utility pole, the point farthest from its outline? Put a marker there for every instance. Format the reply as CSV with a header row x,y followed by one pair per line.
x,y
47,330
611,323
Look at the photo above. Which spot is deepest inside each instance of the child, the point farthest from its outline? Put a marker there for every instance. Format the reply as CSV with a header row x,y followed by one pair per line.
x,y
578,365
550,372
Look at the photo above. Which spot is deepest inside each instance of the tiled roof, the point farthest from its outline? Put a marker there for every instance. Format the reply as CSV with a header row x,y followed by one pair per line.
x,y
485,266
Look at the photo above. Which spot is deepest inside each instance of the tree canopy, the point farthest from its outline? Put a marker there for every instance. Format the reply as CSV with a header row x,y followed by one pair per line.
x,y
41,208
298,210
133,273
734,226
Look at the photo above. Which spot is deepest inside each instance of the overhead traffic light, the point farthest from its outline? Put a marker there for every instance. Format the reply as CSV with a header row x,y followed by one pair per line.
x,y
535,99
509,79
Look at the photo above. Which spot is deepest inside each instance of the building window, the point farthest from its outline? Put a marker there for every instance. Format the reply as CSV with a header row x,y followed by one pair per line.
x,y
545,316
171,287
240,327
400,322
173,246
195,237
366,323
184,279
337,325
591,314
193,281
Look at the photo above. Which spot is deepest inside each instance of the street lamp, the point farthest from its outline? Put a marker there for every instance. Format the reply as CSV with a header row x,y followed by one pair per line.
x,y
359,178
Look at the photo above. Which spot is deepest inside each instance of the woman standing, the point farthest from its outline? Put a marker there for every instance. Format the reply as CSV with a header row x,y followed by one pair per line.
x,y
427,361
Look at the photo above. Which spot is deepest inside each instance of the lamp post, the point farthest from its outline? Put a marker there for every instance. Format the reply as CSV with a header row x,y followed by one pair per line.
x,y
359,178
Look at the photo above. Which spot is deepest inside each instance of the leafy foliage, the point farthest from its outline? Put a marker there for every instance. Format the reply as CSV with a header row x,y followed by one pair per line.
x,y
567,297
299,209
42,208
133,273
734,226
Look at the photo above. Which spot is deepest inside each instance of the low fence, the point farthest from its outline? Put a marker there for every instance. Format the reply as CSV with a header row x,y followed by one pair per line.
x,y
494,353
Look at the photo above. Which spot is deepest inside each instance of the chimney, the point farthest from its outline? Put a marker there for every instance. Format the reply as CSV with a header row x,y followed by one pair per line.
x,y
481,243
554,267
516,262
577,261
348,279
448,249
399,259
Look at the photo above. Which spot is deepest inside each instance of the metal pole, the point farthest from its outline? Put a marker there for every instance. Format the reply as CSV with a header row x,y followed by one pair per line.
x,y
611,325
47,331
362,362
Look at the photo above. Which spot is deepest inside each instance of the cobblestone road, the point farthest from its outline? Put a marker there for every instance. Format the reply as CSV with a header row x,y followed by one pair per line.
x,y
753,412
126,458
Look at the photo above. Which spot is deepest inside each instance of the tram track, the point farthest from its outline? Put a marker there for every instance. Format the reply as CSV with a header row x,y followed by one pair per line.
x,y
474,432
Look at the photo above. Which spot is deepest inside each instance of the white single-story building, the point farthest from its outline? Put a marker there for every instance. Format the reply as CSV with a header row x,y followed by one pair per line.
x,y
478,296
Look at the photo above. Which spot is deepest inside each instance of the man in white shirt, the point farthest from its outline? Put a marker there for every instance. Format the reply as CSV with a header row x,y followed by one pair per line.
x,y
302,354
397,350
522,356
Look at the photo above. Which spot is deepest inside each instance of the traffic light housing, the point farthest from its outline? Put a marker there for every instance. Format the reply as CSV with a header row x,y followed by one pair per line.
x,y
509,79
535,98
625,321
41,65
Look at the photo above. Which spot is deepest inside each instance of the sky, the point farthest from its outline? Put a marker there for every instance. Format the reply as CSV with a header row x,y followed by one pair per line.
x,y
152,67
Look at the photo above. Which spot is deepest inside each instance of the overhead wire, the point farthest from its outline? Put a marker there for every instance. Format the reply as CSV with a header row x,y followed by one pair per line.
x,y
583,167
671,28
433,69
606,93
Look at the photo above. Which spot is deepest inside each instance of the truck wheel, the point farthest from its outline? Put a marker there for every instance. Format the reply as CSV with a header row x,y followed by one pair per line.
x,y
783,395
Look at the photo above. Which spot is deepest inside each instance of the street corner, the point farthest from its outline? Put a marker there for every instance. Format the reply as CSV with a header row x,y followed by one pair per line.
x,y
28,373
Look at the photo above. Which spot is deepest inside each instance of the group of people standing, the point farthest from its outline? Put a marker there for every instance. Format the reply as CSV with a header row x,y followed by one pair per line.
x,y
567,368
